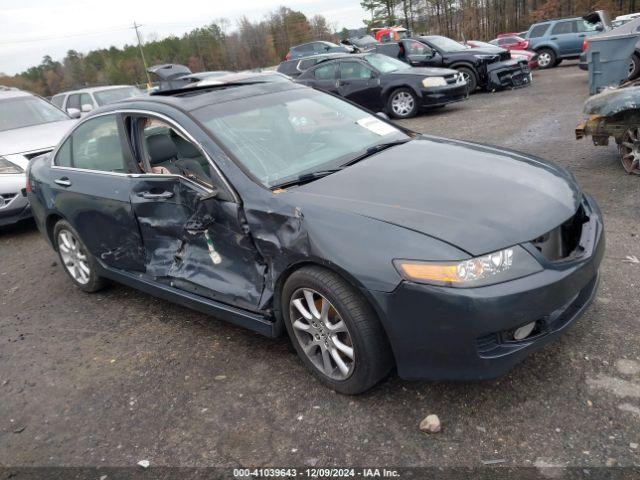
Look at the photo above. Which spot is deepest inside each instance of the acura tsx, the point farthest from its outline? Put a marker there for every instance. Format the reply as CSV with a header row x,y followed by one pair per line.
x,y
281,208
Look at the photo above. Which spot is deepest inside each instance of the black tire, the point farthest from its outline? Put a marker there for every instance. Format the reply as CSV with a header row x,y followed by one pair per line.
x,y
634,67
372,358
470,76
94,282
548,57
558,62
409,95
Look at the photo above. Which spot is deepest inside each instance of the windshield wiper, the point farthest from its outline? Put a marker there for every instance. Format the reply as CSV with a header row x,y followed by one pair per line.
x,y
306,178
311,176
373,150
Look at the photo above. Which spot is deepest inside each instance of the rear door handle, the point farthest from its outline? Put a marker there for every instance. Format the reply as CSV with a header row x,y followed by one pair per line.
x,y
63,182
553,38
156,196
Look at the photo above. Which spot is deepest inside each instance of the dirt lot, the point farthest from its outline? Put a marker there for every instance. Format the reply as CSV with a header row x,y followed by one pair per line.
x,y
119,376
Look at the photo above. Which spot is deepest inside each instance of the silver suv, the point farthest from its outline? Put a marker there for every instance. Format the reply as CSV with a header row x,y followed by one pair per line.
x,y
78,103
29,126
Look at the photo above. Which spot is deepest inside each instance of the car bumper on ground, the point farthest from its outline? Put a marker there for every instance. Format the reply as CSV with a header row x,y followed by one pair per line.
x,y
462,334
508,74
14,206
438,96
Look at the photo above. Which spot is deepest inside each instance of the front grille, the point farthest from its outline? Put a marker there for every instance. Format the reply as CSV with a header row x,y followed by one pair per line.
x,y
563,242
5,198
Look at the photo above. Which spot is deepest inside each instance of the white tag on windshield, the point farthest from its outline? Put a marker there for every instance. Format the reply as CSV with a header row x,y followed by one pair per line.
x,y
376,126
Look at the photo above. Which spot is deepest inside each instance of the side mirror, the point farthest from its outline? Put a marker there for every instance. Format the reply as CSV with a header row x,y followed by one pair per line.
x,y
208,196
86,107
73,112
599,28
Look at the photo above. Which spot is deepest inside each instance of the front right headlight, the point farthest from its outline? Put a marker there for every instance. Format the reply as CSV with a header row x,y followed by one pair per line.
x,y
434,82
7,167
497,267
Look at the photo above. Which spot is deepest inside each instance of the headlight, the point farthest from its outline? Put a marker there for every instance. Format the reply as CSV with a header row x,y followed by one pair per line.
x,y
496,267
434,82
7,167
486,57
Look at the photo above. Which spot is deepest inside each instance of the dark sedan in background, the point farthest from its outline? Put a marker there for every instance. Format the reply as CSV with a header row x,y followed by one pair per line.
x,y
380,83
488,70
275,206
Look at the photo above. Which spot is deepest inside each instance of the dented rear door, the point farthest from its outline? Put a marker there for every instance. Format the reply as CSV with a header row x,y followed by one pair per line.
x,y
200,246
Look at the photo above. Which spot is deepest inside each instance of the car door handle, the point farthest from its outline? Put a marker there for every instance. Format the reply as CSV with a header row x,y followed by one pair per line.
x,y
553,38
582,35
63,182
156,196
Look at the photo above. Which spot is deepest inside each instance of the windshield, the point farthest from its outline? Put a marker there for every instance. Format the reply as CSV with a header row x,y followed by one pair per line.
x,y
385,64
446,44
114,94
22,112
279,136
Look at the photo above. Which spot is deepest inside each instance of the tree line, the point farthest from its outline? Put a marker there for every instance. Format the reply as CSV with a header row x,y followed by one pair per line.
x,y
212,47
480,19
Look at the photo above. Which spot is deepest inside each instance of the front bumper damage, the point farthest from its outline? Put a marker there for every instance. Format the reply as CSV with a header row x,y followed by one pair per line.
x,y
464,334
508,74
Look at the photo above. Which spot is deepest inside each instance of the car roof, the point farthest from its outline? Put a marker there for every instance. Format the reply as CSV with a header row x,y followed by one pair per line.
x,y
10,92
93,89
188,99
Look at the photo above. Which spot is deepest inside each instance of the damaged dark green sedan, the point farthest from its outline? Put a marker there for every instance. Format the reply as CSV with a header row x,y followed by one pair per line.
x,y
281,208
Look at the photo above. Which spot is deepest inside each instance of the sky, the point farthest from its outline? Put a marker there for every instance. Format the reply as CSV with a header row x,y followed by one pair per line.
x,y
31,29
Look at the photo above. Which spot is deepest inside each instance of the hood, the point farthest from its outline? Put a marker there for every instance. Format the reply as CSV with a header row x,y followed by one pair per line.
x,y
33,138
424,71
477,198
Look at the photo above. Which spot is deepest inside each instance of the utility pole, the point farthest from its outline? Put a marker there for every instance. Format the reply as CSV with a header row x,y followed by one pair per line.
x,y
144,61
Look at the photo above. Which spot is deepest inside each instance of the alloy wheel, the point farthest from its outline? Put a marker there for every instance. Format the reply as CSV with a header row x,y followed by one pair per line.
x,y
632,68
402,104
630,150
322,333
544,59
74,257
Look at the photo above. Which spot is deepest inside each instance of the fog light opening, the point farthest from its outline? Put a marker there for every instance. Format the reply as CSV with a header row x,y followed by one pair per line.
x,y
524,331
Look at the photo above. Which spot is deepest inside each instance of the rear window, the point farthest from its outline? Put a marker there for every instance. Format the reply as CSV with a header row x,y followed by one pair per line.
x,y
538,30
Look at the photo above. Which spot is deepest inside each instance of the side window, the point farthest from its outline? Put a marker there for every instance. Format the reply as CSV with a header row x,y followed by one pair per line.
x,y
306,63
57,100
85,99
561,28
73,101
167,151
584,26
354,71
63,158
416,48
539,30
325,72
320,47
96,145
308,48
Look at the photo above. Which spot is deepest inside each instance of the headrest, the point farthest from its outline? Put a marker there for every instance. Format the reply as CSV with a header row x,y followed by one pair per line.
x,y
161,149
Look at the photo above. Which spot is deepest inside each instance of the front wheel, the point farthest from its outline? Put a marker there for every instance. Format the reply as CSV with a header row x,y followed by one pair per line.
x,y
546,58
630,150
335,332
634,67
402,103
76,259
470,77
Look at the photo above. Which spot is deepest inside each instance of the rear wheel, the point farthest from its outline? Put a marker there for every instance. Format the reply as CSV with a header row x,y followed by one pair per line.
x,y
402,103
469,77
76,259
634,67
630,150
546,58
335,332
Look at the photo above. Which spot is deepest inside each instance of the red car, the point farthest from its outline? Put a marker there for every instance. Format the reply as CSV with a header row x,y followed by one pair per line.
x,y
530,57
510,42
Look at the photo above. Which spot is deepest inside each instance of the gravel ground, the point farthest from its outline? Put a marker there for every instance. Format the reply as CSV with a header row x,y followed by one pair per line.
x,y
119,376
